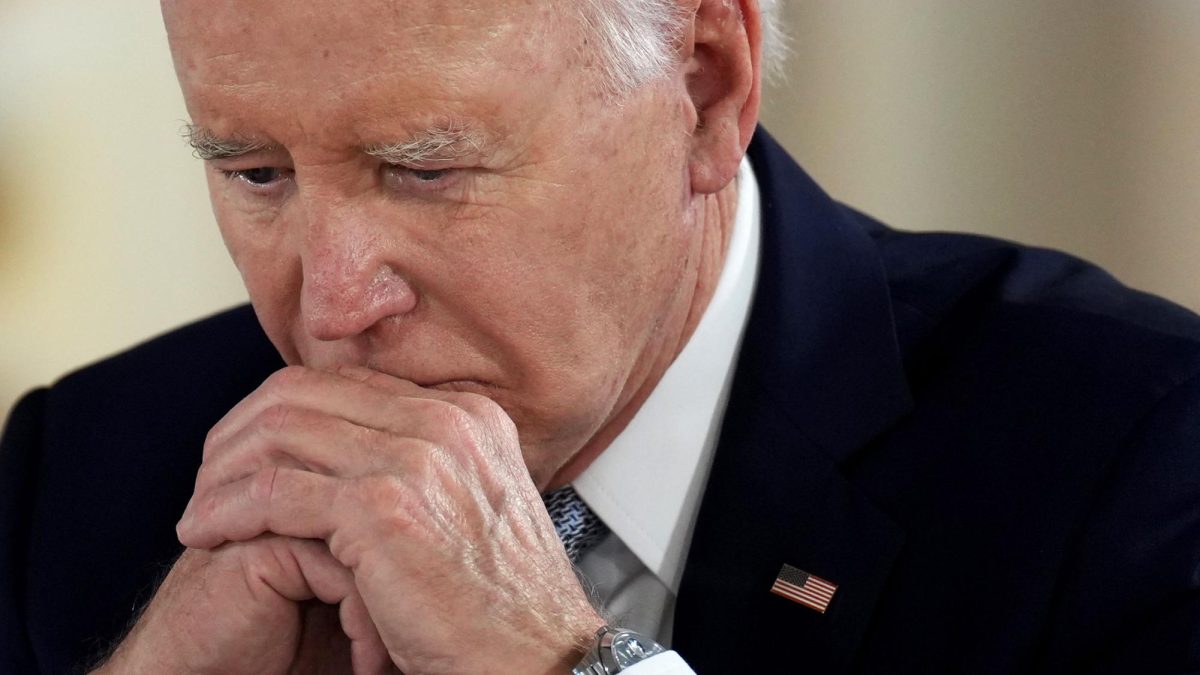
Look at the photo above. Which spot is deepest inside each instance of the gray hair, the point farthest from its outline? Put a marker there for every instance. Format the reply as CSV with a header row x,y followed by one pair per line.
x,y
637,38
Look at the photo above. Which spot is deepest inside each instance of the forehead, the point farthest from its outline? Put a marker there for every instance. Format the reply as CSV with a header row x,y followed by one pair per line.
x,y
369,30
354,58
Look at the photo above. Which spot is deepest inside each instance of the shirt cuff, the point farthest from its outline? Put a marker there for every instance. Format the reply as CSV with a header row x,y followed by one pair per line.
x,y
666,663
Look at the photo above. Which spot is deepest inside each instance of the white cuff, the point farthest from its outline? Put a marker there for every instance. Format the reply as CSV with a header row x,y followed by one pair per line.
x,y
666,663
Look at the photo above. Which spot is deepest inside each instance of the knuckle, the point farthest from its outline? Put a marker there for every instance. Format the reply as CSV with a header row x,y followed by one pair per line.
x,y
263,484
210,441
201,508
432,464
284,379
275,418
380,493
487,413
388,501
476,404
205,476
217,437
480,406
453,420
204,509
259,560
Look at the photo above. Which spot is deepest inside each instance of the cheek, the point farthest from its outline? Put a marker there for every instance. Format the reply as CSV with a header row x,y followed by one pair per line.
x,y
636,243
257,244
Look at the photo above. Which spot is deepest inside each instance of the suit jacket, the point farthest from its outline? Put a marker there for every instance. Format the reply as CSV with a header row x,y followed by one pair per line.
x,y
992,450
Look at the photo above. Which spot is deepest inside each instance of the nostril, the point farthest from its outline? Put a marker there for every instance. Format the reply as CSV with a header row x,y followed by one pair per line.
x,y
340,306
391,292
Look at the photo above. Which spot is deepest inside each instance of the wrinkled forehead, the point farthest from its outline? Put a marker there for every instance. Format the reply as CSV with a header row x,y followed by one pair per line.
x,y
248,42
337,71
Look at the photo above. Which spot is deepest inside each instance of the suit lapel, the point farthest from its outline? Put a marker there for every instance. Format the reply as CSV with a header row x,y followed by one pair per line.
x,y
806,516
819,376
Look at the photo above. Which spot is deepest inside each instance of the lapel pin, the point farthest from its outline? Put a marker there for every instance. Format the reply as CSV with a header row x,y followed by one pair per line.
x,y
807,589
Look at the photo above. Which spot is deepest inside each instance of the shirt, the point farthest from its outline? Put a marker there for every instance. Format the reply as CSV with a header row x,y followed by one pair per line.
x,y
646,486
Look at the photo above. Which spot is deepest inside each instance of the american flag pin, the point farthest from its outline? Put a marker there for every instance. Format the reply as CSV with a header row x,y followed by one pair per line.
x,y
807,589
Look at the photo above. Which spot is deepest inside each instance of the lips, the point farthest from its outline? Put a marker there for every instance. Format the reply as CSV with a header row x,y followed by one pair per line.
x,y
430,378
467,386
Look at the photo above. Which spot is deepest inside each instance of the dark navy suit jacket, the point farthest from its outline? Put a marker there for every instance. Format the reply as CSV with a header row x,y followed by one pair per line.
x,y
993,451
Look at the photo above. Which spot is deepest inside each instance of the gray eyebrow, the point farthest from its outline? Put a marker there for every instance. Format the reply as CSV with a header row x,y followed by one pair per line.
x,y
436,144
208,146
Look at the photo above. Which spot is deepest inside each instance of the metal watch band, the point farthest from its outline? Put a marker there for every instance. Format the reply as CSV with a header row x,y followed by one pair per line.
x,y
616,649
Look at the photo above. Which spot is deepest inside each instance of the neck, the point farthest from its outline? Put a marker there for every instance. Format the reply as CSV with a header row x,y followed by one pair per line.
x,y
716,214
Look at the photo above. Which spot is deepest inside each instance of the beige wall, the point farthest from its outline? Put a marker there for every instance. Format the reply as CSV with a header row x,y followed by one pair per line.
x,y
1067,123
1060,122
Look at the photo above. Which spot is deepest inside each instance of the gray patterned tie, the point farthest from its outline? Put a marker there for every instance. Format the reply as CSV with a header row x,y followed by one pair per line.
x,y
577,526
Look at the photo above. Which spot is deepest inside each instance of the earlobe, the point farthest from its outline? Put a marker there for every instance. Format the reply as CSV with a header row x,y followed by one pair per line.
x,y
723,80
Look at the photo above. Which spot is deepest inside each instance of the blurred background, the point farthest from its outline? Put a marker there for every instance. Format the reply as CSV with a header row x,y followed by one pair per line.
x,y
1066,123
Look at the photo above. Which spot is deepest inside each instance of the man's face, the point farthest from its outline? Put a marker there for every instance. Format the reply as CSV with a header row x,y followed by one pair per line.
x,y
441,192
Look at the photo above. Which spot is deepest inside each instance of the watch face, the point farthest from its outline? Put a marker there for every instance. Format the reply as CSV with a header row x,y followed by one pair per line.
x,y
629,648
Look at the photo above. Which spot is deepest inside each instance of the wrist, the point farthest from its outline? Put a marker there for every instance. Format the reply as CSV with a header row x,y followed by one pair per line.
x,y
126,661
582,641
144,651
615,650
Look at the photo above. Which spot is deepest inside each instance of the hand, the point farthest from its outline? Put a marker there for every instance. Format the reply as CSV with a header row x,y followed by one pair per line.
x,y
423,495
245,608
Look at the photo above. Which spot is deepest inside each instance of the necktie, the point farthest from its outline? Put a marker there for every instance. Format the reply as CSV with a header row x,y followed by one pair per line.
x,y
577,526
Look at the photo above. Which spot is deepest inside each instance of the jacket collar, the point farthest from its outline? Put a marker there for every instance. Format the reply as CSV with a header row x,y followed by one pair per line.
x,y
818,377
821,337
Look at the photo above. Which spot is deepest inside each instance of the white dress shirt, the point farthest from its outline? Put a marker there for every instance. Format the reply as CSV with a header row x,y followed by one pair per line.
x,y
646,486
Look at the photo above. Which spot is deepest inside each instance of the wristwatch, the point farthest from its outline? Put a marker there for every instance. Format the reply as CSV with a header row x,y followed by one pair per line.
x,y
616,649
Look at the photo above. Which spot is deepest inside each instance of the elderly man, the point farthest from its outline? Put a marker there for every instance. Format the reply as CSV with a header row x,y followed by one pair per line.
x,y
499,248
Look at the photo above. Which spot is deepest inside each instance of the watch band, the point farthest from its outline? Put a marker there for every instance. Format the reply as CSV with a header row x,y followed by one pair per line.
x,y
615,650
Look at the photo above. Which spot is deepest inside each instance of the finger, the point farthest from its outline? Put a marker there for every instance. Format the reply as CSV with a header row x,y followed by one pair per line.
x,y
328,580
295,569
289,502
368,654
402,408
304,439
468,400
481,407
332,583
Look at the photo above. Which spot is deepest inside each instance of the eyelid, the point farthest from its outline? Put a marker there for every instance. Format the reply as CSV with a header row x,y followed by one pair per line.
x,y
263,189
403,178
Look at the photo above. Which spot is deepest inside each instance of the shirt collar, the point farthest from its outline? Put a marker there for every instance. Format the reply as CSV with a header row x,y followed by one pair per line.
x,y
646,486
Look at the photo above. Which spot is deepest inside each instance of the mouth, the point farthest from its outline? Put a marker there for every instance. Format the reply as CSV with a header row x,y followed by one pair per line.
x,y
431,379
467,386
454,384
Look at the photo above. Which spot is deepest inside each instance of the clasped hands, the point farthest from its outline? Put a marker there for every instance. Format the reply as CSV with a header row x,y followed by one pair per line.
x,y
407,509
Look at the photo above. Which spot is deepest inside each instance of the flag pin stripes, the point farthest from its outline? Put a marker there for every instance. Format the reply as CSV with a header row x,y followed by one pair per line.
x,y
807,589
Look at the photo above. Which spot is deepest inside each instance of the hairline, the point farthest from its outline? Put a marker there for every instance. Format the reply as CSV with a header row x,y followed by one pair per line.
x,y
635,40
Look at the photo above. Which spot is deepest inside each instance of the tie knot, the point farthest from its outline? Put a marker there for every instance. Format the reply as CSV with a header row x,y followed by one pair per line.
x,y
577,526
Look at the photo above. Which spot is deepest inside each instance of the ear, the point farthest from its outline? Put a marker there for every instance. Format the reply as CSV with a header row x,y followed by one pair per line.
x,y
723,78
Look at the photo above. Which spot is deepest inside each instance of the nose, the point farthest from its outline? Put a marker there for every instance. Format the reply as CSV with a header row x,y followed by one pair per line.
x,y
350,280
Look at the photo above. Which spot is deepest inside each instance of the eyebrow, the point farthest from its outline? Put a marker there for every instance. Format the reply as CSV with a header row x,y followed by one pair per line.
x,y
436,144
208,146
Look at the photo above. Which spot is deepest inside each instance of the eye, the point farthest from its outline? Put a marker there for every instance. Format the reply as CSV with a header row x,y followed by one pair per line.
x,y
439,183
429,175
258,177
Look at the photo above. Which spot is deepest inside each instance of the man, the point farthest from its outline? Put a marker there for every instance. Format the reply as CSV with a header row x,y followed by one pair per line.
x,y
505,247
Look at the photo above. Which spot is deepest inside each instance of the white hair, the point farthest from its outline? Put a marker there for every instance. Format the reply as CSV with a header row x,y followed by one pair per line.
x,y
638,38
